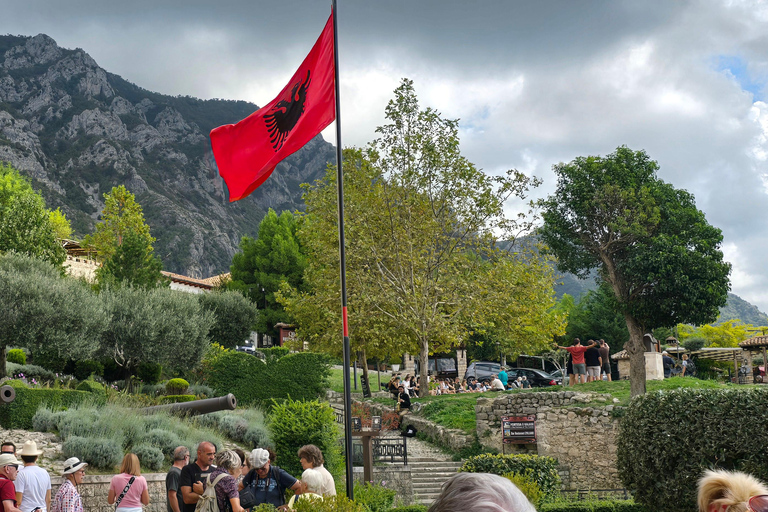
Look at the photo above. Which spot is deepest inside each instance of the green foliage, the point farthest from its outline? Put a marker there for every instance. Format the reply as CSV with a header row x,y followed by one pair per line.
x,y
19,413
594,506
150,372
273,354
61,227
149,456
677,434
541,470
25,224
301,376
16,355
295,423
726,334
100,453
88,367
596,316
172,399
161,439
375,498
246,426
234,317
338,503
263,264
134,263
410,508
176,386
91,386
527,486
44,311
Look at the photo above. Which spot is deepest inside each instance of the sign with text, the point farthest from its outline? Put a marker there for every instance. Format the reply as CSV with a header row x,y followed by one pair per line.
x,y
518,429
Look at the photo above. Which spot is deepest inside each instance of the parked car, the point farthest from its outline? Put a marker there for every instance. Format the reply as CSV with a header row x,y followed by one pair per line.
x,y
482,371
537,378
248,349
441,367
558,376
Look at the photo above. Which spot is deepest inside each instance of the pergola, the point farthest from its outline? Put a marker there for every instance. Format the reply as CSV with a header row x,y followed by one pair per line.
x,y
756,344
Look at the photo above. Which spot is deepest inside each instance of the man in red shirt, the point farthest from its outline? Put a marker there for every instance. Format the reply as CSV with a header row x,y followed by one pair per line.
x,y
9,467
579,365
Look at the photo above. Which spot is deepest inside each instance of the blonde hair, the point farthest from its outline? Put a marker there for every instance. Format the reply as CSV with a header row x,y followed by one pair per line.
x,y
131,465
730,488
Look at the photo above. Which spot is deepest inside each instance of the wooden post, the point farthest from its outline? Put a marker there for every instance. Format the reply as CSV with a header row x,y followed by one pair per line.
x,y
366,436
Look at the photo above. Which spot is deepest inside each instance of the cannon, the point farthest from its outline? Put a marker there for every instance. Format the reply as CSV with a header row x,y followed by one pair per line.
x,y
219,403
7,394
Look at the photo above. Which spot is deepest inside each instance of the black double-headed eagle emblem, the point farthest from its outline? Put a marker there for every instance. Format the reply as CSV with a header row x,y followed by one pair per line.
x,y
282,118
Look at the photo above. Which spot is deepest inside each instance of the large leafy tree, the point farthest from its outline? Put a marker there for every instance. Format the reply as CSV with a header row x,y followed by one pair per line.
x,y
133,263
44,311
156,325
25,223
652,246
422,225
234,316
596,316
273,257
121,215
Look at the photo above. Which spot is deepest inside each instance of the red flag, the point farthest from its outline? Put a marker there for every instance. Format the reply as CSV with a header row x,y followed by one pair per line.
x,y
247,152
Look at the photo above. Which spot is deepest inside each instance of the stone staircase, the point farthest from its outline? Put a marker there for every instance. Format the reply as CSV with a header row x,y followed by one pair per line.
x,y
428,475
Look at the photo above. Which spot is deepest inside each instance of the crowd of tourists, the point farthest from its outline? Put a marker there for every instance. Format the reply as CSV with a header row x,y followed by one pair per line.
x,y
240,481
588,363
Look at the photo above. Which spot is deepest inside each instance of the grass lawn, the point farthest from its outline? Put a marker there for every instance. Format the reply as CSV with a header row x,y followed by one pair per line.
x,y
458,411
337,380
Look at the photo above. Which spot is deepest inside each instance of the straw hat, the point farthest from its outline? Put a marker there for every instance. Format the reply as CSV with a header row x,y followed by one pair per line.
x,y
30,449
9,459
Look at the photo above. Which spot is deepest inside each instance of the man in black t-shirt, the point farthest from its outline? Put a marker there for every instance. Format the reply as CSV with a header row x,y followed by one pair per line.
x,y
594,362
403,400
193,474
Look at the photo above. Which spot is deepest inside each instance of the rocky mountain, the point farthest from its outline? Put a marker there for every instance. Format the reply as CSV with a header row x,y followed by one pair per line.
x,y
78,130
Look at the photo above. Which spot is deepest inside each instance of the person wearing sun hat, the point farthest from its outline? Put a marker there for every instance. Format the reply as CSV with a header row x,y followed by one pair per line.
x,y
269,482
33,484
9,468
68,498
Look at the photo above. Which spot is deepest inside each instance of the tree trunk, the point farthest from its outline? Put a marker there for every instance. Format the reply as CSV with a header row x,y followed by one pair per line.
x,y
424,368
363,361
3,358
636,351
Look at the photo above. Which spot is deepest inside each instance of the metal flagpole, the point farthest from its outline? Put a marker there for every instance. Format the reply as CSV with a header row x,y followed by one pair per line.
x,y
342,266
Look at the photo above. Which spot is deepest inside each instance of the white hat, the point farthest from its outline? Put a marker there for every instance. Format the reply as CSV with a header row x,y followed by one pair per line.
x,y
30,449
259,458
9,459
72,465
665,353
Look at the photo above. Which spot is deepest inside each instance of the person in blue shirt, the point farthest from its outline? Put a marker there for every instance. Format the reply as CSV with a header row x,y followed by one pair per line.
x,y
503,377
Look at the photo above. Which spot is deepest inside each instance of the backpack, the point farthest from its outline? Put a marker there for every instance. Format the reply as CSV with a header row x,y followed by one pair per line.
x,y
207,501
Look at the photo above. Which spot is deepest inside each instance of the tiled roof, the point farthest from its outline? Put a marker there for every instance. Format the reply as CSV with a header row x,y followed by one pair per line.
x,y
756,342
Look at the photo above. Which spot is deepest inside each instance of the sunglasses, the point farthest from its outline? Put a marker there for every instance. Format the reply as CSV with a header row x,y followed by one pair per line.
x,y
758,503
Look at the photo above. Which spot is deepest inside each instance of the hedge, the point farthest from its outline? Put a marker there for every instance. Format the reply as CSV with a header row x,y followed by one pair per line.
x,y
172,399
594,506
542,470
18,414
673,436
17,356
410,508
301,376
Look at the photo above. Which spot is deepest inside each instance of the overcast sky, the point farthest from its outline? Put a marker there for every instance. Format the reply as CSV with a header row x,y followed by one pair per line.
x,y
534,83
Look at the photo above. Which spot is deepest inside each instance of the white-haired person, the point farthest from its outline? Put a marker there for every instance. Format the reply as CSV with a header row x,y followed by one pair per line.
x,y
224,480
311,487
481,492
731,491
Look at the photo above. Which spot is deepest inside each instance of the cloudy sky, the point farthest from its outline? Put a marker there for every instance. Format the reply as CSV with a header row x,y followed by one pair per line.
x,y
534,82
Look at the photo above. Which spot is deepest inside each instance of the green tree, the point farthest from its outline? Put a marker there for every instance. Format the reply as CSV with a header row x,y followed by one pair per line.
x,y
62,229
25,223
156,325
234,317
133,263
121,215
727,334
653,247
42,310
274,257
596,316
422,225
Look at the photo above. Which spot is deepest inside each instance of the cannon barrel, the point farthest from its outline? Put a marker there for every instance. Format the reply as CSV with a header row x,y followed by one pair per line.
x,y
7,394
220,403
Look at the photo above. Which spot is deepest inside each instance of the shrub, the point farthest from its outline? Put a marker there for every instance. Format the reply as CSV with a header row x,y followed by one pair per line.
x,y
294,424
16,355
410,508
176,387
86,368
44,420
338,503
594,506
375,498
153,390
676,435
527,486
201,391
246,426
19,413
542,470
31,371
273,354
100,453
172,399
301,376
161,439
149,373
91,386
149,456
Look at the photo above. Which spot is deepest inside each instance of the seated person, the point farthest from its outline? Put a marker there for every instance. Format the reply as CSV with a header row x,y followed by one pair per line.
x,y
403,401
496,384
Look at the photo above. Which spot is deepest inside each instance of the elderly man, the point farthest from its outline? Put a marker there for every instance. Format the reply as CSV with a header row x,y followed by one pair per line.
x,y
193,474
269,482
496,384
480,492
9,468
173,501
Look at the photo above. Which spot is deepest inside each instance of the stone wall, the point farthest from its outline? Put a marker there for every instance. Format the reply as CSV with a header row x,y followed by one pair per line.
x,y
581,437
95,488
